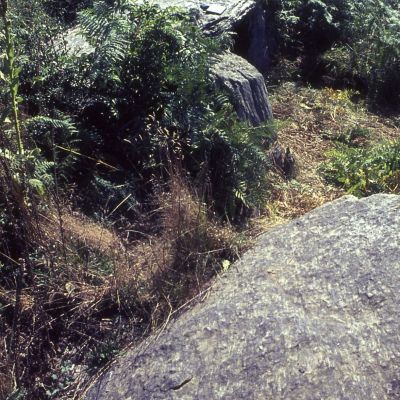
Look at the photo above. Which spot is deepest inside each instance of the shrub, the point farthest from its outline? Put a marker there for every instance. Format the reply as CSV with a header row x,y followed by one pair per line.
x,y
144,98
350,42
354,137
308,26
235,158
364,171
369,52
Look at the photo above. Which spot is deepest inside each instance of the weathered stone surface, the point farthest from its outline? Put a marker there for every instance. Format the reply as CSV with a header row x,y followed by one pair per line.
x,y
312,312
76,44
245,18
234,12
246,87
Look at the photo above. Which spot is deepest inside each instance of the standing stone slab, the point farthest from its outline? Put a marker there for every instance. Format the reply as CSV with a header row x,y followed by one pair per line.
x,y
240,76
312,312
246,87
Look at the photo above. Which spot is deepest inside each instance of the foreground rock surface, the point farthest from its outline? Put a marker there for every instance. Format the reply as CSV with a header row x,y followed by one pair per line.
x,y
246,87
312,312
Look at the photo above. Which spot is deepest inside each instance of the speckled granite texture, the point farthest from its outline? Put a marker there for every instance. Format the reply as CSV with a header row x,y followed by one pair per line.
x,y
312,312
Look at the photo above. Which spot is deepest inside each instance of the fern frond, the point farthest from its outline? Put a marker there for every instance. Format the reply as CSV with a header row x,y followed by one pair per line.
x,y
112,50
108,28
95,22
64,124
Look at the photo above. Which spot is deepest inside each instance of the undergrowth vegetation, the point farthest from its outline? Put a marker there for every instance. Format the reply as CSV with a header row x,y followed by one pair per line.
x,y
365,171
343,43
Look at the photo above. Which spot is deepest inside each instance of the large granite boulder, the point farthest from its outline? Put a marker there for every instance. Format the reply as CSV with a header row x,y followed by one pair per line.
x,y
312,312
238,74
216,16
246,87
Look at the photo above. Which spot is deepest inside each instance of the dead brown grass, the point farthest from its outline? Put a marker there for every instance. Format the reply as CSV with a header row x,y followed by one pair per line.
x,y
176,264
69,226
92,288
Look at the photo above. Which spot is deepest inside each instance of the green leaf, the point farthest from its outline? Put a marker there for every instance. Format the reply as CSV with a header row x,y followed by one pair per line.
x,y
37,185
226,264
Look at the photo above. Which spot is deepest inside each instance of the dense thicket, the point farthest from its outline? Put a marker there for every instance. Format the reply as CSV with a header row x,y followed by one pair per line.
x,y
142,98
344,42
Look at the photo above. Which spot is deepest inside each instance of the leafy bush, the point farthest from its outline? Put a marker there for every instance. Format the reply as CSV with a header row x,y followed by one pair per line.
x,y
143,99
364,171
369,54
234,154
354,137
308,25
350,42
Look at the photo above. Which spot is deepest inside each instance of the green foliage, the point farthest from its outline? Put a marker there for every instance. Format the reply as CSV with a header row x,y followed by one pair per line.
x,y
308,25
353,137
10,75
364,171
235,154
29,173
34,32
371,55
349,42
142,100
102,354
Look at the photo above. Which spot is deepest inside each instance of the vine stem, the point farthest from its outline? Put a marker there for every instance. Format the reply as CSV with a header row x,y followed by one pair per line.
x,y
12,74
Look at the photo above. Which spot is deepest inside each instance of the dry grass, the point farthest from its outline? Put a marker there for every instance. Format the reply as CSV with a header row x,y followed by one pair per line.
x,y
94,292
169,268
73,227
